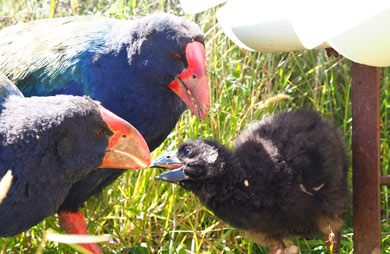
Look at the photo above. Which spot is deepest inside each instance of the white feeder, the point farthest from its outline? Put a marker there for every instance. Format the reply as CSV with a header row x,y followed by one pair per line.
x,y
359,30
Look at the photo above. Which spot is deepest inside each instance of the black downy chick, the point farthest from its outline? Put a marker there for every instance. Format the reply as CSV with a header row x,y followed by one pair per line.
x,y
285,177
49,143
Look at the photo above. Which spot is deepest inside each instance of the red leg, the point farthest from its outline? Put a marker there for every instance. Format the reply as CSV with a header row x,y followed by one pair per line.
x,y
73,223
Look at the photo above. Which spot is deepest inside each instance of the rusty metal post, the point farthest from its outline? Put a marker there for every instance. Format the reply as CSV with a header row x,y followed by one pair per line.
x,y
366,159
385,180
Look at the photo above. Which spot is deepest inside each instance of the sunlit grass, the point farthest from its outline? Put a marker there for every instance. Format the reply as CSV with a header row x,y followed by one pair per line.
x,y
147,216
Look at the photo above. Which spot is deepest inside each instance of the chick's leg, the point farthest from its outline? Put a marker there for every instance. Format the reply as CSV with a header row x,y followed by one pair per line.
x,y
332,242
278,247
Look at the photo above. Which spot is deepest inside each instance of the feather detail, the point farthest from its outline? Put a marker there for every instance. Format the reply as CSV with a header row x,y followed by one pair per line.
x,y
7,88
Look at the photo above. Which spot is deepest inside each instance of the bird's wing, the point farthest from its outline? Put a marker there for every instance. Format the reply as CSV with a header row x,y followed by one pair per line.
x,y
55,48
7,88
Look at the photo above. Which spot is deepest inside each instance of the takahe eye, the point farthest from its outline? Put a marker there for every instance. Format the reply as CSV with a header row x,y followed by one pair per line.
x,y
186,151
177,57
99,132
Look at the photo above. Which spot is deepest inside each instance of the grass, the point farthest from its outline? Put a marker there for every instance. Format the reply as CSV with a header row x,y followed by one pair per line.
x,y
147,216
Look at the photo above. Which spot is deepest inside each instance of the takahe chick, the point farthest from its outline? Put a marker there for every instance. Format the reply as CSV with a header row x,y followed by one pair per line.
x,y
50,143
144,70
285,177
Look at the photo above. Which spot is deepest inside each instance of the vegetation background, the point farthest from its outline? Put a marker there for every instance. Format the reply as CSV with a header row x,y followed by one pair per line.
x,y
147,216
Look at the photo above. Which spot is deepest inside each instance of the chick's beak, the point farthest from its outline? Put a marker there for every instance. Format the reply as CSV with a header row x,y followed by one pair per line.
x,y
173,176
170,161
127,148
192,85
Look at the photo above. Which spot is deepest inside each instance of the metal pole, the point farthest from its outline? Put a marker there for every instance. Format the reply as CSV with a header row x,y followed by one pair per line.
x,y
366,159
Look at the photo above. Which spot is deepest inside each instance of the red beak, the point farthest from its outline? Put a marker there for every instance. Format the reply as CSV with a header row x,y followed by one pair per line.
x,y
127,148
192,85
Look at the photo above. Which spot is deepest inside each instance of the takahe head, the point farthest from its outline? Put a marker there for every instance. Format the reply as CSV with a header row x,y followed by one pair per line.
x,y
49,143
80,128
169,51
166,63
286,176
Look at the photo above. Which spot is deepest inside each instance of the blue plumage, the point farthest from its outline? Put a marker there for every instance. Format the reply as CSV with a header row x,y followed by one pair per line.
x,y
126,65
51,143
35,138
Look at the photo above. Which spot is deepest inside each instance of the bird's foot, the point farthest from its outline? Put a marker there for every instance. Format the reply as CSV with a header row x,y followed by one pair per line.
x,y
278,247
73,223
332,241
293,249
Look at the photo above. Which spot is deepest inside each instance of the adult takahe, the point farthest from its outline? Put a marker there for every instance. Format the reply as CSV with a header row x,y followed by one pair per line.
x,y
285,177
49,143
145,70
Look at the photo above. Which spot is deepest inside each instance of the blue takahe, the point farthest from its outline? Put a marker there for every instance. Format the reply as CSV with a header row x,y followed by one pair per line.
x,y
145,70
47,144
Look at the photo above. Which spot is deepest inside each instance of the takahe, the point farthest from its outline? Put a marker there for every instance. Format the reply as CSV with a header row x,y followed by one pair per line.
x,y
144,70
47,144
285,177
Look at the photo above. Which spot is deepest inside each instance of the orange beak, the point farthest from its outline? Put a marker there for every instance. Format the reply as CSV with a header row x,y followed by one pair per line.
x,y
192,85
127,148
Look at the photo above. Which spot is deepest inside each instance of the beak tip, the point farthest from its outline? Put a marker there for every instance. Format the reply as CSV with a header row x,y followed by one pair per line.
x,y
127,149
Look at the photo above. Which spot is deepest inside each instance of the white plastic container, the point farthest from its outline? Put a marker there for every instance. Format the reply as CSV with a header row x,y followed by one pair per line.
x,y
359,30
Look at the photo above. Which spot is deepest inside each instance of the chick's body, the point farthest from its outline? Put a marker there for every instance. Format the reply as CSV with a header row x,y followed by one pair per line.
x,y
286,176
273,157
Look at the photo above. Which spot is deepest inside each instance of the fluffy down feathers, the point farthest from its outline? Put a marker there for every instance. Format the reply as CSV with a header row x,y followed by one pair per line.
x,y
286,176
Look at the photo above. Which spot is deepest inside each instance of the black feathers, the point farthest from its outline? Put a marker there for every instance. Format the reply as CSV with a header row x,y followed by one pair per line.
x,y
285,177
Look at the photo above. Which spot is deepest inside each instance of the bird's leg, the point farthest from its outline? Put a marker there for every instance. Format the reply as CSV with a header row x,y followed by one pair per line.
x,y
332,242
73,223
277,247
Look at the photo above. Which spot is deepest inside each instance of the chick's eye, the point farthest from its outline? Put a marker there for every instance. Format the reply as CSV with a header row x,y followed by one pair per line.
x,y
177,57
187,151
99,132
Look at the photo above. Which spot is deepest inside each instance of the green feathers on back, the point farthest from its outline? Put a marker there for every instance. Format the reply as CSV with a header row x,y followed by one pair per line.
x,y
53,49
